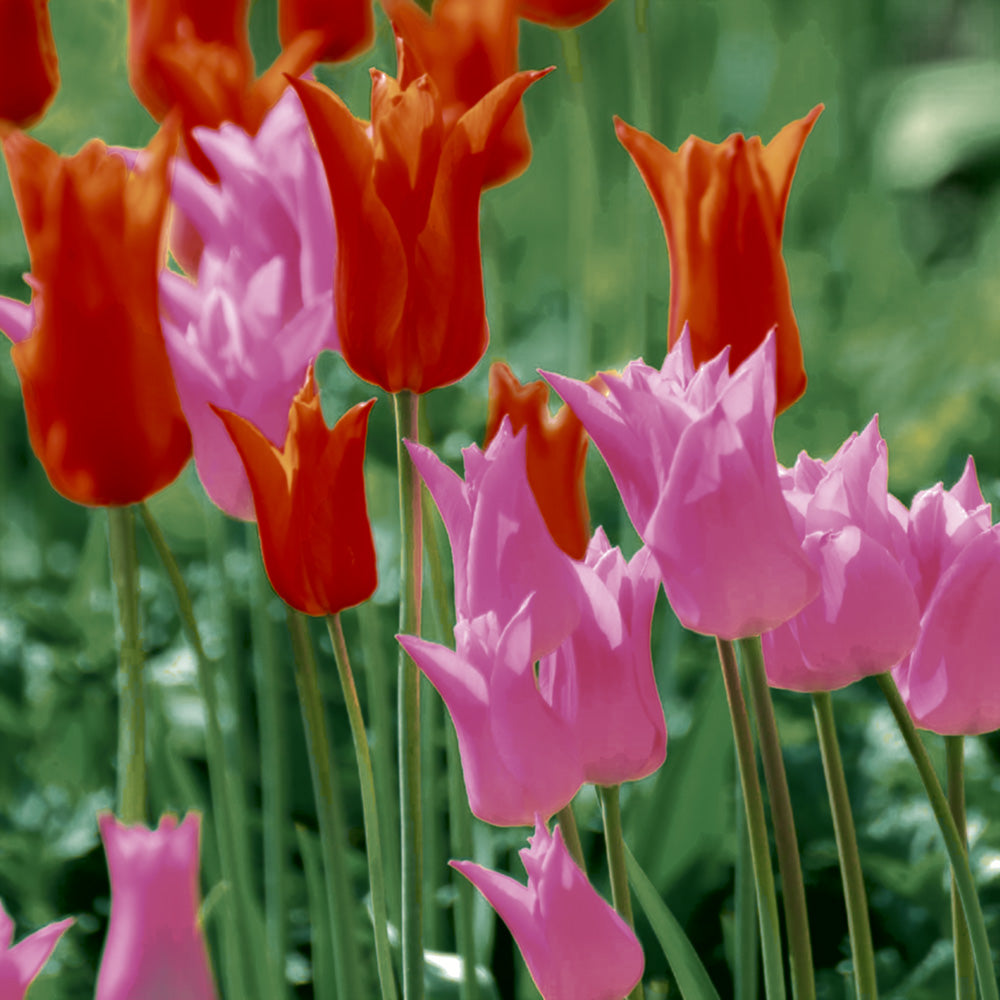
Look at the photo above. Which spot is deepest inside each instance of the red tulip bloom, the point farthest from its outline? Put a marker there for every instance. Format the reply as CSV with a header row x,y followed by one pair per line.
x,y
561,13
405,189
466,47
103,414
29,70
556,454
309,499
723,209
348,26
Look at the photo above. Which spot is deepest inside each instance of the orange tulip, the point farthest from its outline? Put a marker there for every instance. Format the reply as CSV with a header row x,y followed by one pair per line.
x,y
103,414
467,47
309,499
556,454
409,283
561,13
348,26
29,70
723,209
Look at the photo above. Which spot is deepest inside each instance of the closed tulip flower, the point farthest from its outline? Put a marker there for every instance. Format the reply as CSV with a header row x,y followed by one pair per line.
x,y
561,13
692,454
155,949
102,409
347,26
723,210
29,68
575,946
866,617
309,499
405,192
20,964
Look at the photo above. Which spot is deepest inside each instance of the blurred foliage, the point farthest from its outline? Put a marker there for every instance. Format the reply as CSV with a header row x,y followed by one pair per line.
x,y
893,245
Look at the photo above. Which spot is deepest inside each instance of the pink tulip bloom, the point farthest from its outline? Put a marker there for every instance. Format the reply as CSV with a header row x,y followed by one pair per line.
x,y
601,676
520,758
575,946
154,948
946,681
692,454
19,965
242,336
866,617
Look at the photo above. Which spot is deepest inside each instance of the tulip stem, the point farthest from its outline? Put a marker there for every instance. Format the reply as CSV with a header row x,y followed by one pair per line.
x,y
747,947
965,972
793,891
753,802
862,951
571,835
329,810
373,837
952,839
614,843
235,874
407,410
131,701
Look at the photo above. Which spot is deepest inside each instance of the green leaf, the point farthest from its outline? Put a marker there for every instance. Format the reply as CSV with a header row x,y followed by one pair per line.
x,y
692,979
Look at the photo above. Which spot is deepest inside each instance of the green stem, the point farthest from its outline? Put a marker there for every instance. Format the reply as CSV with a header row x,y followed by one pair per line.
x,y
965,973
614,843
407,412
753,801
373,837
862,951
952,839
330,812
571,835
747,947
320,929
793,891
640,15
131,703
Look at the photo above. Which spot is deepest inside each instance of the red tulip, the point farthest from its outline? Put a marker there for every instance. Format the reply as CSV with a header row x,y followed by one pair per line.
x,y
561,13
29,70
348,26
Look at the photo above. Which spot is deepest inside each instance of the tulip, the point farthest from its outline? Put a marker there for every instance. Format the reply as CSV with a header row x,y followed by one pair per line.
x,y
561,13
575,946
102,409
601,676
347,26
501,549
29,69
405,192
21,964
956,574
556,454
467,47
723,209
242,337
309,499
154,949
866,618
692,454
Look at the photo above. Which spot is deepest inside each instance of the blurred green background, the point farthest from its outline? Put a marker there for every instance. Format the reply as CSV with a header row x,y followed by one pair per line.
x,y
892,243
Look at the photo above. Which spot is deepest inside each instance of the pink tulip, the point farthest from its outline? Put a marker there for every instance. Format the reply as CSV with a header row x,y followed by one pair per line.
x,y
866,617
155,948
575,946
946,681
242,336
692,454
19,965
601,676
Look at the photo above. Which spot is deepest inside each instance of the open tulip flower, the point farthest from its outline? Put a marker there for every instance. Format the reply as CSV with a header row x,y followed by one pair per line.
x,y
29,68
723,210
21,963
154,949
405,191
242,336
575,946
956,573
692,454
467,47
103,413
866,617
309,498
